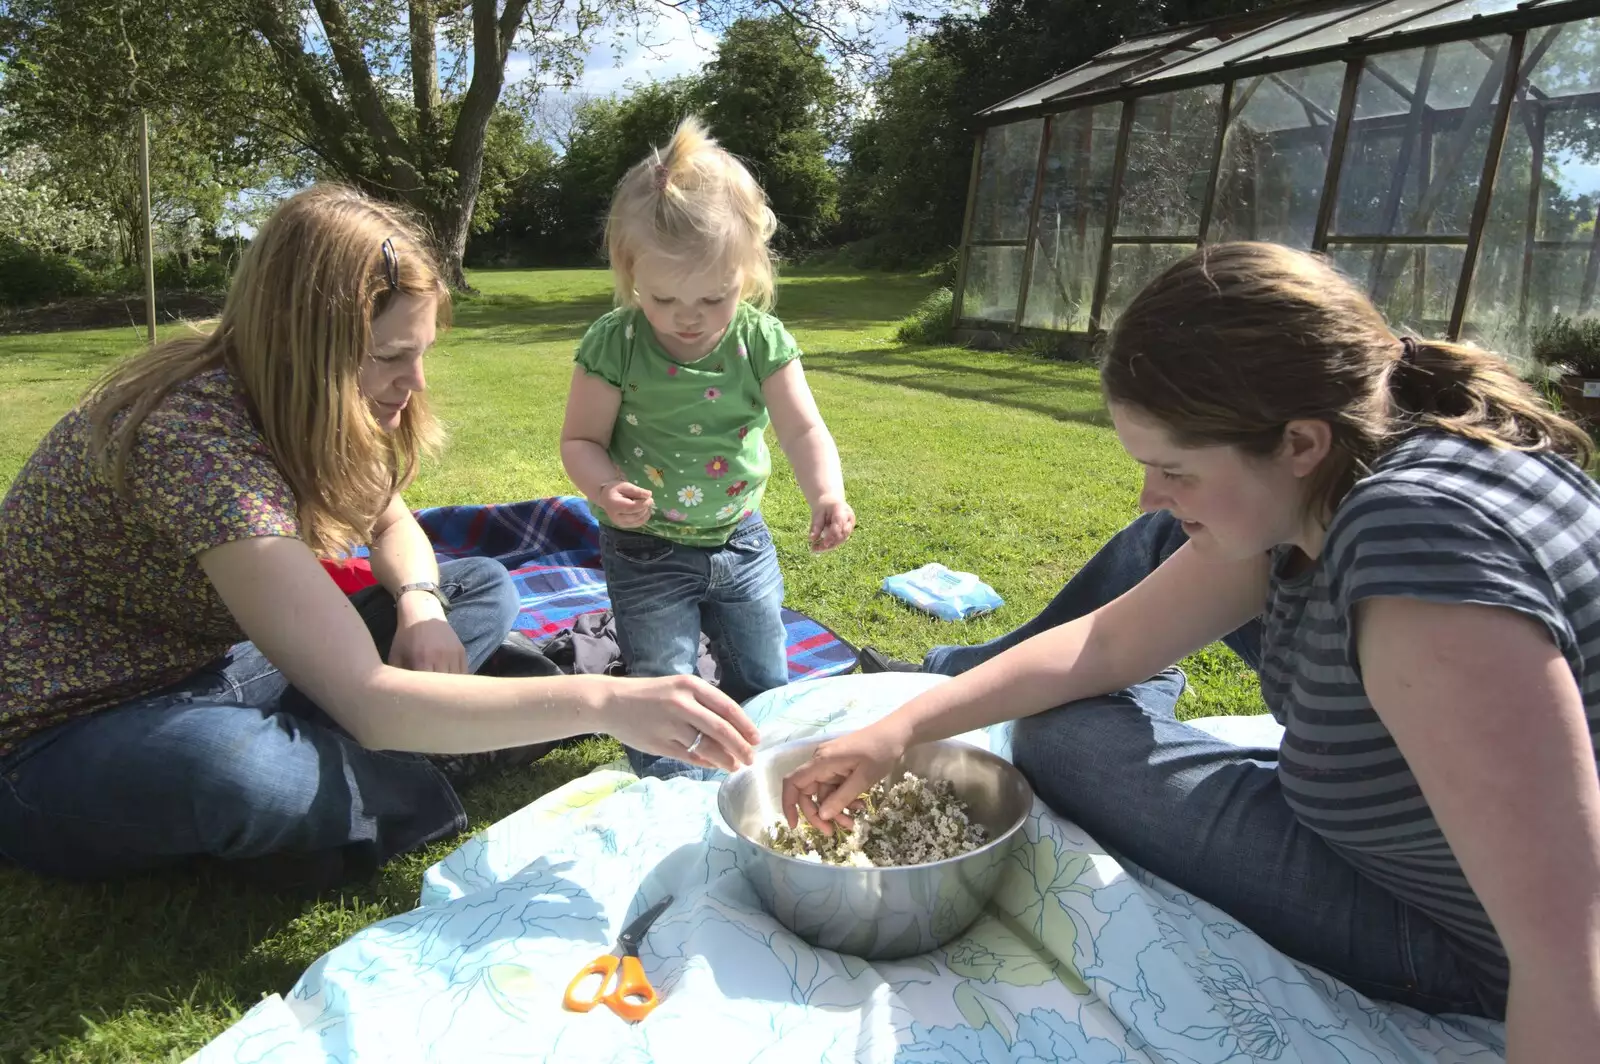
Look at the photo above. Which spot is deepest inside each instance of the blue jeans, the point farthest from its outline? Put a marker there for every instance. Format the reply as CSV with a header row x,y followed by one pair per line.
x,y
665,594
233,763
1208,816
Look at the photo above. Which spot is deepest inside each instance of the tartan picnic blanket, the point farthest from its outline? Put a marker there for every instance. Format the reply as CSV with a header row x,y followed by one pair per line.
x,y
552,547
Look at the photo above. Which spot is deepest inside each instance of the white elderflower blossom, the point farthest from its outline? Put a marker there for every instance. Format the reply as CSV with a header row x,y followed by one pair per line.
x,y
913,821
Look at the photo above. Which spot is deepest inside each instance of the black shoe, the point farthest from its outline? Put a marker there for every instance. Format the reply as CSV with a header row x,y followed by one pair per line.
x,y
518,657
462,770
874,661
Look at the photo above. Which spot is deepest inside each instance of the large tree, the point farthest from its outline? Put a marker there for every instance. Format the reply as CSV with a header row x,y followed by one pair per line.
x,y
76,76
395,96
768,96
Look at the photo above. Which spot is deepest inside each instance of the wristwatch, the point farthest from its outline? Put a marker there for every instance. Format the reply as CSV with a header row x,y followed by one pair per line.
x,y
430,587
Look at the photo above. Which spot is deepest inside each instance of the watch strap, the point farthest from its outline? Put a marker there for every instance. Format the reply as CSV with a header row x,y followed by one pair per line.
x,y
425,585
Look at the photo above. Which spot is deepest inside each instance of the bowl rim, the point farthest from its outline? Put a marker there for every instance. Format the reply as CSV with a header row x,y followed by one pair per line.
x,y
1000,838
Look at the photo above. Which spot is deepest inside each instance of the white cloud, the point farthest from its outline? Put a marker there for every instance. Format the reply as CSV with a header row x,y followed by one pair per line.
x,y
674,45
669,47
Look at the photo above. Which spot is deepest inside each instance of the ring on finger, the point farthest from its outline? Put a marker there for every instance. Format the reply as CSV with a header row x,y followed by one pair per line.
x,y
699,737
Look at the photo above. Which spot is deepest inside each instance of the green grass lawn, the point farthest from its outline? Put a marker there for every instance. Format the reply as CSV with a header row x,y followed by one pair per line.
x,y
994,463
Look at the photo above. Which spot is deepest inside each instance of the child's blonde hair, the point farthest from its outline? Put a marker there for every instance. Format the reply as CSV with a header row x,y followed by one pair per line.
x,y
694,202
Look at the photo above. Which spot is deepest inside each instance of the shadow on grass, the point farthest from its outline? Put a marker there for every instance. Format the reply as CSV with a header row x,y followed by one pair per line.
x,y
177,953
805,303
511,310
1041,391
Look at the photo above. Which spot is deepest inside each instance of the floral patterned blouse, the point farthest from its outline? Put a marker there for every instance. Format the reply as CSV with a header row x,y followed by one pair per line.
x,y
101,598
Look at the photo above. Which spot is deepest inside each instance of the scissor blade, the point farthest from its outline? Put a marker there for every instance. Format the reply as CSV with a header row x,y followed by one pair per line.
x,y
634,932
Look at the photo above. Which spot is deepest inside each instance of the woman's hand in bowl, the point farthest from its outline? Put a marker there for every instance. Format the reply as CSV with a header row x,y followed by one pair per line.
x,y
825,788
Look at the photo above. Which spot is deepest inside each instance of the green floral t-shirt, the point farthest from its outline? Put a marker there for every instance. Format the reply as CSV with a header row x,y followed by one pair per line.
x,y
691,432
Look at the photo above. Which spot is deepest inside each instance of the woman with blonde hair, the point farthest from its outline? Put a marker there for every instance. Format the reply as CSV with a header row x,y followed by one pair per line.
x,y
178,675
1400,537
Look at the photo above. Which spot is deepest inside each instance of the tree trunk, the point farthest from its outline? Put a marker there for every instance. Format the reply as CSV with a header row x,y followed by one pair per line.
x,y
451,224
492,33
425,80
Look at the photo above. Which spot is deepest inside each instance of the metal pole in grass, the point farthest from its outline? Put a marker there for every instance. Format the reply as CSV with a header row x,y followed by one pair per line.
x,y
149,243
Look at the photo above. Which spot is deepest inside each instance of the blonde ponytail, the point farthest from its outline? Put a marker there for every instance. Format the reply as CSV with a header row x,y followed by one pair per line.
x,y
692,201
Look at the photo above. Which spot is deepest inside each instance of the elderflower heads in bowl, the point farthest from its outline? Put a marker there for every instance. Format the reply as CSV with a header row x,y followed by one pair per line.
x,y
906,822
914,873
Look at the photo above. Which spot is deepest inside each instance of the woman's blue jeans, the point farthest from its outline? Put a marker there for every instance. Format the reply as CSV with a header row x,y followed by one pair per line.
x,y
1208,816
234,763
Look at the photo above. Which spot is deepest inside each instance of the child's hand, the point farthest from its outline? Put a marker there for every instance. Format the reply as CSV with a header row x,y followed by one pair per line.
x,y
832,521
628,505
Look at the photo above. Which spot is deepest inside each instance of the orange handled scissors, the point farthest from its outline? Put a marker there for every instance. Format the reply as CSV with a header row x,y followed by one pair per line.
x,y
631,997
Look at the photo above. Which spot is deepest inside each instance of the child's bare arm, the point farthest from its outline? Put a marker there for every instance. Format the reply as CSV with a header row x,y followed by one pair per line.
x,y
812,453
592,406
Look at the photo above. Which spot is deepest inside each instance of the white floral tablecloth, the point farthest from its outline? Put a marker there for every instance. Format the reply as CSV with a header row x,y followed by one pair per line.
x,y
1074,960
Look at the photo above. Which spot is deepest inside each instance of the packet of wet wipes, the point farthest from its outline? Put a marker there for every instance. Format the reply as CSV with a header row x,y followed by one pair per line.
x,y
948,594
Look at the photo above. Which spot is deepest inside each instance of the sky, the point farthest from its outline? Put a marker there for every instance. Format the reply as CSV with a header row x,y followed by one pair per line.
x,y
673,46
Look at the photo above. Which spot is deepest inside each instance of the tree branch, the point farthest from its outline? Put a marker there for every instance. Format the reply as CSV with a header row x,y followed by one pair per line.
x,y
492,35
364,97
510,22
331,130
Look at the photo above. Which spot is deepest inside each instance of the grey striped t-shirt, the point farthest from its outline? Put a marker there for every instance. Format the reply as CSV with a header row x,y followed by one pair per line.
x,y
1443,519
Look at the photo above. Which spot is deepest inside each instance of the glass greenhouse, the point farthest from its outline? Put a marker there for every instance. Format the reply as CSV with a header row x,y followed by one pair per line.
x,y
1445,154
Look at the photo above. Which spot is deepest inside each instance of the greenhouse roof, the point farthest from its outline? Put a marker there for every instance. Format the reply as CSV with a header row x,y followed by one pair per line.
x,y
1274,40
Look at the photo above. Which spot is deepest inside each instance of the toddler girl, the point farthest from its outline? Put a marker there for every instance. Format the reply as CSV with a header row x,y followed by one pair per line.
x,y
665,420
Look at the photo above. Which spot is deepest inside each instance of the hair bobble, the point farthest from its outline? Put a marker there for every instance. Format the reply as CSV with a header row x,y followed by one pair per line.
x,y
1408,349
663,177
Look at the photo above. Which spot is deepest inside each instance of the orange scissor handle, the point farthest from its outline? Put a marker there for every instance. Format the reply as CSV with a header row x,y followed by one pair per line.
x,y
634,997
605,967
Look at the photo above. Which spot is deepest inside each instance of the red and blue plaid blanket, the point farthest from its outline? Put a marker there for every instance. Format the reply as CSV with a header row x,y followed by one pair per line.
x,y
552,547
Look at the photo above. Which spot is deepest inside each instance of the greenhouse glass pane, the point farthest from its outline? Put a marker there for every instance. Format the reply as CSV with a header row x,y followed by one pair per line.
x,y
1189,50
1569,64
1140,44
1343,30
1557,288
994,280
1132,267
1249,43
1509,299
1071,80
1414,285
1494,316
1275,156
1460,12
1006,172
1168,168
1414,166
1570,189
1072,217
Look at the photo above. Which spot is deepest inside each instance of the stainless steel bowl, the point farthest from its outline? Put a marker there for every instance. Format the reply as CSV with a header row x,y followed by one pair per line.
x,y
878,913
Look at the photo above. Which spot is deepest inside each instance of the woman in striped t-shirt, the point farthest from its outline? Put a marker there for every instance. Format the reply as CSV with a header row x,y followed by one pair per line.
x,y
1396,534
